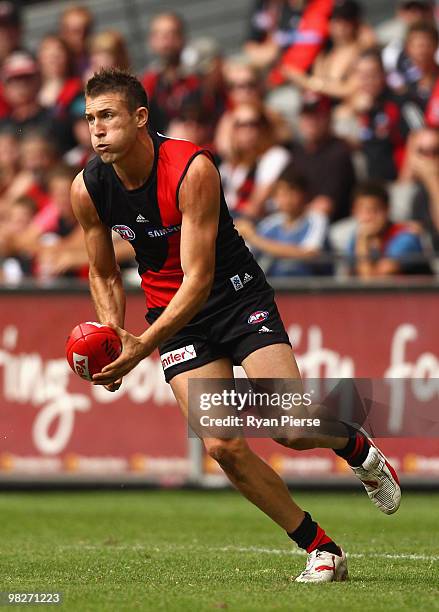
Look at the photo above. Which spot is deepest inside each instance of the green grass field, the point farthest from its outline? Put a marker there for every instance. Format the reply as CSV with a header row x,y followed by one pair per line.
x,y
181,551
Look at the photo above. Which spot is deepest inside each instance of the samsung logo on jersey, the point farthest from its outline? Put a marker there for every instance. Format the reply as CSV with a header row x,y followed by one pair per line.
x,y
157,232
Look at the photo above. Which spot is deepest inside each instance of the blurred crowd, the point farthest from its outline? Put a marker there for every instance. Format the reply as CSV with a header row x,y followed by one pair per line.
x,y
325,131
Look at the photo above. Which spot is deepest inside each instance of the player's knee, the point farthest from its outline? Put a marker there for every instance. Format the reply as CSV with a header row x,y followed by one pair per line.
x,y
297,442
228,453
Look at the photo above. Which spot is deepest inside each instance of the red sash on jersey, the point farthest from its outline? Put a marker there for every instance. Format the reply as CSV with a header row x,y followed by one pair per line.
x,y
175,157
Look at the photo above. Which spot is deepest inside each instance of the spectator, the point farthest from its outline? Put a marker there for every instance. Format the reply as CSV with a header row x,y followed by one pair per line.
x,y
323,159
372,119
168,86
194,125
243,82
60,89
333,66
255,162
10,40
83,151
392,33
272,29
203,56
432,114
20,215
58,85
21,90
379,247
288,242
423,162
21,83
75,28
9,160
307,39
244,86
416,72
10,29
108,50
58,217
38,155
54,222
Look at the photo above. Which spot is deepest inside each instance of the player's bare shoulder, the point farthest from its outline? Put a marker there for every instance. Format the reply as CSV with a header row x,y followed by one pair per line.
x,y
201,184
82,204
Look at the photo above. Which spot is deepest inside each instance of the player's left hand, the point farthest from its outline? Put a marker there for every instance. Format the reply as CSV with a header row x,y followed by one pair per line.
x,y
133,351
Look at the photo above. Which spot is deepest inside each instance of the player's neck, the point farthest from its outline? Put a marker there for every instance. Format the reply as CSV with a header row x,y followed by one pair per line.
x,y
134,169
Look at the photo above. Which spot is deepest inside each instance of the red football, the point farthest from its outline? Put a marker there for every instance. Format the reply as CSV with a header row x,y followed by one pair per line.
x,y
91,346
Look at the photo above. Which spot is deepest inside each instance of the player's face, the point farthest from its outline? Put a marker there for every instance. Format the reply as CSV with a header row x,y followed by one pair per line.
x,y
113,128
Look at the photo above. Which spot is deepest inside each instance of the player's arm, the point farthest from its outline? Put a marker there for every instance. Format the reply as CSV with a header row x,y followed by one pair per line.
x,y
105,280
199,201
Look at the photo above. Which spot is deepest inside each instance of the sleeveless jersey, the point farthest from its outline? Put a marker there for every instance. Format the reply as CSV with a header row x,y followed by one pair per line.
x,y
149,217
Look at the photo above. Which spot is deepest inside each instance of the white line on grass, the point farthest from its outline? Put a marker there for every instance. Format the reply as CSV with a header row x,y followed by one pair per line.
x,y
281,551
244,549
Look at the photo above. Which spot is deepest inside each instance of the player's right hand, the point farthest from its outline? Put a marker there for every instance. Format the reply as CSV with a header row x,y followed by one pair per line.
x,y
134,350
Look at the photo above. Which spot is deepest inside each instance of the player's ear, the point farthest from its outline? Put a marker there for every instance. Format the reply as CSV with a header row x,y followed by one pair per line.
x,y
142,115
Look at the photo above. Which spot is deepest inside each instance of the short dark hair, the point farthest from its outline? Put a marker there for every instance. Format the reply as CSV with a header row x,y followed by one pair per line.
x,y
120,81
294,179
424,27
372,189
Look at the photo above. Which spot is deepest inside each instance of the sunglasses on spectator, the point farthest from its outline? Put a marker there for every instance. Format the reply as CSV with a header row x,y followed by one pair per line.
x,y
250,123
242,85
426,152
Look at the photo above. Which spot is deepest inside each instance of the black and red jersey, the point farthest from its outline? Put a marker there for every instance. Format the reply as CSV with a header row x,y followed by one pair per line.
x,y
383,133
149,217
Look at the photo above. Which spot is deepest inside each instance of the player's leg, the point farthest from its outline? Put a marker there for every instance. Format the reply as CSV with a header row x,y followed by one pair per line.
x,y
256,480
367,462
278,361
261,485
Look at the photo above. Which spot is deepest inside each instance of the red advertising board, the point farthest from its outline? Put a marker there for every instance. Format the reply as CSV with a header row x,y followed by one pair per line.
x,y
54,425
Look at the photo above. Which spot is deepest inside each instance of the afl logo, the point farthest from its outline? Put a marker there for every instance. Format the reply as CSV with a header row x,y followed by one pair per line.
x,y
257,317
124,232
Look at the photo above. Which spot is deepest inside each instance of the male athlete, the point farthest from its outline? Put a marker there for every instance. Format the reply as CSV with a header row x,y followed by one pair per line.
x,y
202,285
